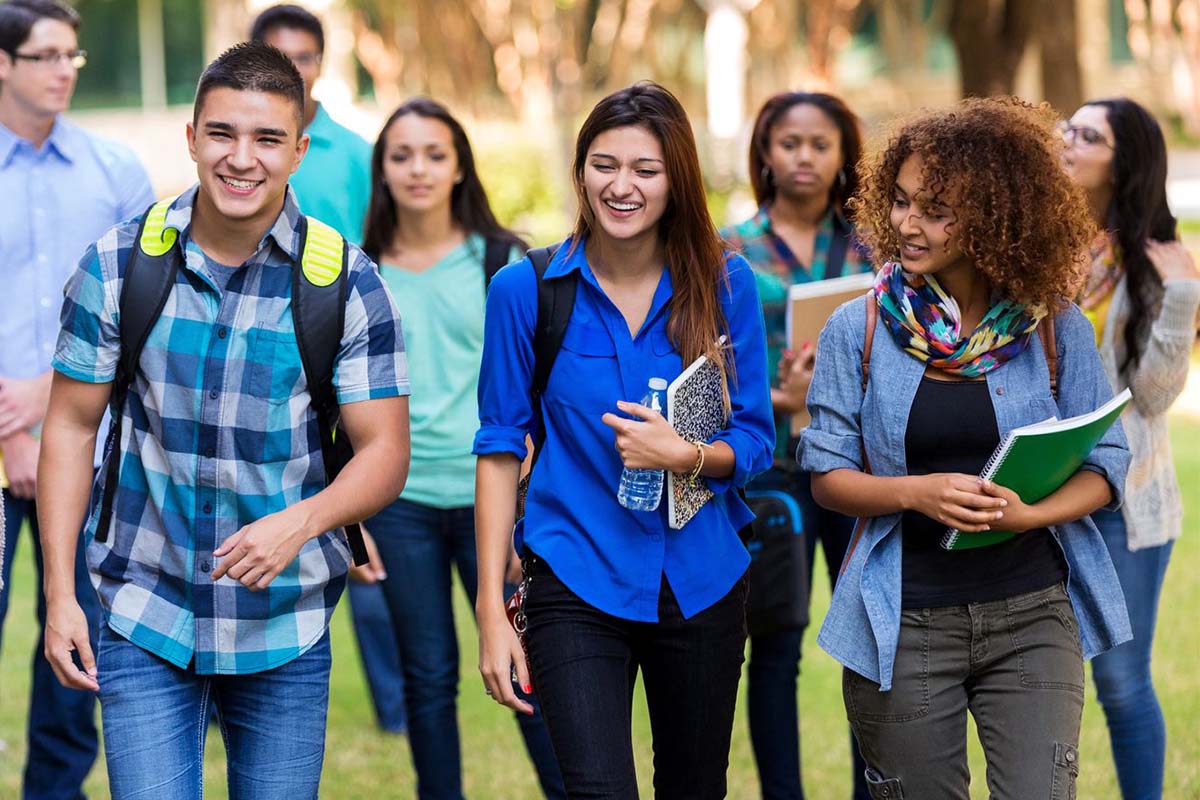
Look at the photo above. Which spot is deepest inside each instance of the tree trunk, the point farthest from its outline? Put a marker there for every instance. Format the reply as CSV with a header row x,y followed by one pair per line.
x,y
990,38
1062,76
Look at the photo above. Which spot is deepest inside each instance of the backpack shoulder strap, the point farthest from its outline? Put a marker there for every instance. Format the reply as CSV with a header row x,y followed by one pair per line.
x,y
495,257
319,308
556,301
1050,348
869,337
149,275
319,287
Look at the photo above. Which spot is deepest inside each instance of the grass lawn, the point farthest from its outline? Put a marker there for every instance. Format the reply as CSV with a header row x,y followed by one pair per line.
x,y
362,763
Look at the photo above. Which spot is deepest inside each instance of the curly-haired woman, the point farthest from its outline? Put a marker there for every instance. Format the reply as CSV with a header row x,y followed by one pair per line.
x,y
1142,298
978,233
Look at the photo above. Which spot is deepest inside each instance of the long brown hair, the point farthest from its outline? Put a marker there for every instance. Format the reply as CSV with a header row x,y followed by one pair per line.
x,y
849,129
694,251
468,201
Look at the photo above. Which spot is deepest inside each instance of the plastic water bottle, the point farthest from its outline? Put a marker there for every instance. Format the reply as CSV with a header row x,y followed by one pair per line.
x,y
641,489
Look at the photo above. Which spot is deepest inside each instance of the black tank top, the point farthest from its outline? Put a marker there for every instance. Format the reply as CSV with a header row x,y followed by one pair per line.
x,y
952,428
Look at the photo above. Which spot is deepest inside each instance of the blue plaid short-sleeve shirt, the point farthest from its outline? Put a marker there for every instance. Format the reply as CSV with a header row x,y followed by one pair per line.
x,y
219,431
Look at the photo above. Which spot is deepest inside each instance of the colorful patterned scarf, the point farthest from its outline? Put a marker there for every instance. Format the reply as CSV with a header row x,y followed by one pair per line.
x,y
1106,271
926,323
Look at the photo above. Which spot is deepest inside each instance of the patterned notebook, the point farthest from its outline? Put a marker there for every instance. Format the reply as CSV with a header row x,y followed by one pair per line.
x,y
696,409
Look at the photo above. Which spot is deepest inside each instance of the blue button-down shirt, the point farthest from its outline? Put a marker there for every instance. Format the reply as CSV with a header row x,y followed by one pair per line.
x,y
219,431
862,627
57,199
611,557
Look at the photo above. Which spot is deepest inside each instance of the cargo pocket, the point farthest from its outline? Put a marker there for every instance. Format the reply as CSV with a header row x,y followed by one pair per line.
x,y
1066,771
881,788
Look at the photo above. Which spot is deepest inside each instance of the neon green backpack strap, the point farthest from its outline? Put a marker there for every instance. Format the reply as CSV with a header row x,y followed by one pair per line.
x,y
157,238
321,259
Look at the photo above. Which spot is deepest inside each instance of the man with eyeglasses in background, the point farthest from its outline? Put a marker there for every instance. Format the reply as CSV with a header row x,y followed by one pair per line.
x,y
333,184
60,189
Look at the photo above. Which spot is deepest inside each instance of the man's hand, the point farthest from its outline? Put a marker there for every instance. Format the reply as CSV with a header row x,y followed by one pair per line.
x,y
372,571
20,455
261,550
23,403
67,632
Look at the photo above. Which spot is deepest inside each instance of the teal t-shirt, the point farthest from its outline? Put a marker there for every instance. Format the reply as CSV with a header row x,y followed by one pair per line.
x,y
441,311
333,182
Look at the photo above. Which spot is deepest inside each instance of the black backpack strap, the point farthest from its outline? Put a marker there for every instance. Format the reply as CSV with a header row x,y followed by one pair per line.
x,y
145,288
319,287
495,257
556,301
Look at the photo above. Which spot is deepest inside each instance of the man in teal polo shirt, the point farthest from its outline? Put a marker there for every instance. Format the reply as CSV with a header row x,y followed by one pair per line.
x,y
333,183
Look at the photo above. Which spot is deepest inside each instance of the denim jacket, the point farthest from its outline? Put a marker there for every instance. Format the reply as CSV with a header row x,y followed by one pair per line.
x,y
863,623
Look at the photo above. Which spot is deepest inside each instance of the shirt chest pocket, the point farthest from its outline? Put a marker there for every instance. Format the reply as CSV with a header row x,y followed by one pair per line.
x,y
586,374
274,372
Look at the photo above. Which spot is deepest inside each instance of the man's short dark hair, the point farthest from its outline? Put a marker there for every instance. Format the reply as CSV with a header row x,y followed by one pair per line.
x,y
288,16
252,67
17,18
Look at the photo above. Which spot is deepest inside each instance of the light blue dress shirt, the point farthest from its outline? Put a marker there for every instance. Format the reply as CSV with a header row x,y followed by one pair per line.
x,y
862,627
56,200
611,557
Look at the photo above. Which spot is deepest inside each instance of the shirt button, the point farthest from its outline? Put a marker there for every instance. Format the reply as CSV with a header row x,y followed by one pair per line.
x,y
222,333
213,394
204,565
42,258
999,390
208,508
45,302
209,452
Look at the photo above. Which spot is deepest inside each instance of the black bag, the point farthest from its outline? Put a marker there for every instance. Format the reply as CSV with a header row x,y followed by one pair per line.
x,y
778,576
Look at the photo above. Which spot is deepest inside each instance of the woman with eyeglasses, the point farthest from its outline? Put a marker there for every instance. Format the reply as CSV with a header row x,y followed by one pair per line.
x,y
1142,296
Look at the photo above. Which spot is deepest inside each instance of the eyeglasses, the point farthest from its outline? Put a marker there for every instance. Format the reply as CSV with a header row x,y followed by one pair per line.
x,y
1090,136
304,60
76,58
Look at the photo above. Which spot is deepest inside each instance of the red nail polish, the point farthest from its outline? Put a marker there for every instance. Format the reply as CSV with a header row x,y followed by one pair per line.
x,y
527,689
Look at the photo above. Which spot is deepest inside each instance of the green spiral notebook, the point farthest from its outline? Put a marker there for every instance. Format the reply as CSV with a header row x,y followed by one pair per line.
x,y
1035,460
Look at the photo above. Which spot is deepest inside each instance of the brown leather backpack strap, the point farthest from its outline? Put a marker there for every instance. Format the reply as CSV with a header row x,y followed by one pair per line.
x,y
869,336
1050,348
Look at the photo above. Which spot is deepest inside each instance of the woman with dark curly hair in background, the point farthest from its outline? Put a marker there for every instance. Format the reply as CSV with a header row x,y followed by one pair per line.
x,y
979,236
1142,296
803,155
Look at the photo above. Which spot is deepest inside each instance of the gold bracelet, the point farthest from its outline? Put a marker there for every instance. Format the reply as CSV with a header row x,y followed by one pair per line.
x,y
695,473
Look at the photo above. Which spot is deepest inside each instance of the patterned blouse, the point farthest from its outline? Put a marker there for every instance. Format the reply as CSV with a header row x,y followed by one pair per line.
x,y
836,252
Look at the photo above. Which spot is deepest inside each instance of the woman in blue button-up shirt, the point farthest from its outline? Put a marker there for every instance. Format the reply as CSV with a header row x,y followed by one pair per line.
x,y
977,229
610,590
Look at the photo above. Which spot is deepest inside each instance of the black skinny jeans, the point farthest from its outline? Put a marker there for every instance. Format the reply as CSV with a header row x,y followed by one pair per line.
x,y
585,663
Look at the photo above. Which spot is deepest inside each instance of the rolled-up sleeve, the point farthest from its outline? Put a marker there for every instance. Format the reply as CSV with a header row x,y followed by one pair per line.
x,y
371,362
89,341
1082,388
751,429
833,440
506,372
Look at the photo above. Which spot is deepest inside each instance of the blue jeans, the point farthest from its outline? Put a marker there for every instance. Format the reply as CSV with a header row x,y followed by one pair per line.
x,y
156,719
380,657
419,546
775,658
1123,681
63,742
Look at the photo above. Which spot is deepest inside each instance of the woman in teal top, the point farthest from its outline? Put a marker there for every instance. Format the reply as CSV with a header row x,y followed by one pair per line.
x,y
803,155
429,227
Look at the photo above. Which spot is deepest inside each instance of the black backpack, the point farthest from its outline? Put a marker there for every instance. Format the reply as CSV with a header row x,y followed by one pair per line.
x,y
318,315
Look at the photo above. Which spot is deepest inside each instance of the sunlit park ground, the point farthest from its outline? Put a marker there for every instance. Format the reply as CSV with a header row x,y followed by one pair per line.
x,y
363,763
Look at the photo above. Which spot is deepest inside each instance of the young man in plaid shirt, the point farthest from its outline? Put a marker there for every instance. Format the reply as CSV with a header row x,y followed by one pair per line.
x,y
224,557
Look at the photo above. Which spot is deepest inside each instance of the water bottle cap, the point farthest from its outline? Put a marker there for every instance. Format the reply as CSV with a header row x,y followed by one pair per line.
x,y
658,384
